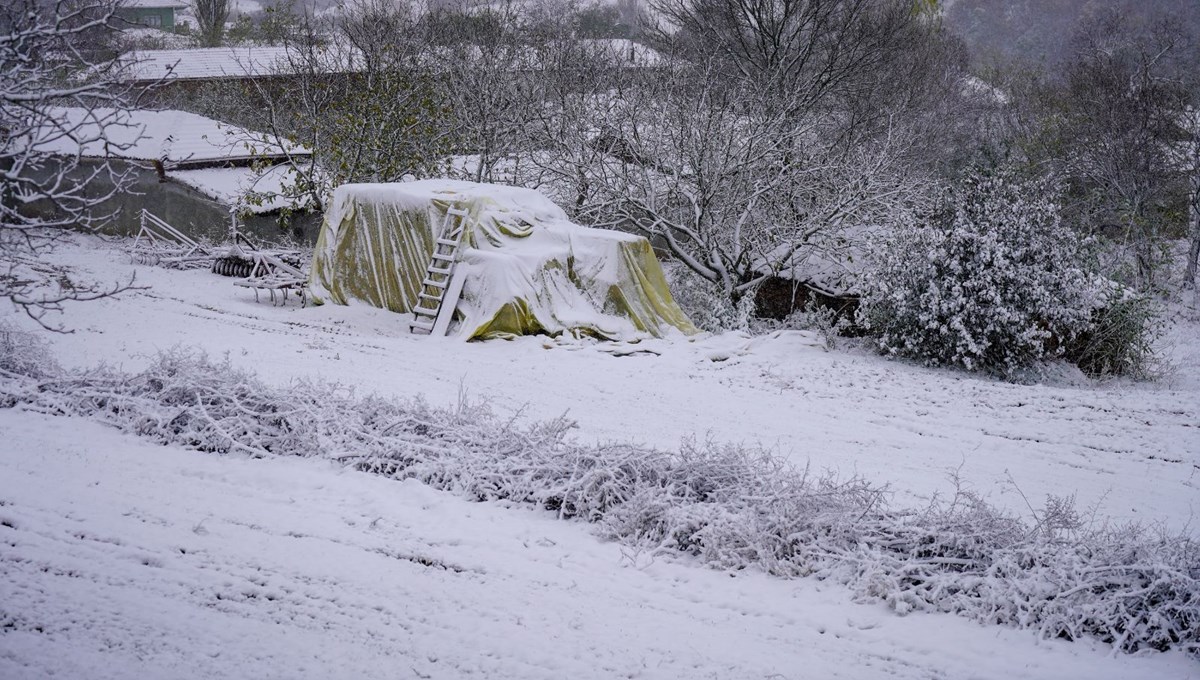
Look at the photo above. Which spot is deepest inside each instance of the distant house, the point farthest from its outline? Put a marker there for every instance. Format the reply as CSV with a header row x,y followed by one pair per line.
x,y
180,76
158,14
192,171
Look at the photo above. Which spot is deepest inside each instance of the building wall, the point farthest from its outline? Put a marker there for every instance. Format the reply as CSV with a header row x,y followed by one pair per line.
x,y
153,17
186,209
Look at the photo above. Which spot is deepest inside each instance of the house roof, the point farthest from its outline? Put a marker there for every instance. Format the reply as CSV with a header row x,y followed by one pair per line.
x,y
212,63
206,63
152,4
234,186
178,138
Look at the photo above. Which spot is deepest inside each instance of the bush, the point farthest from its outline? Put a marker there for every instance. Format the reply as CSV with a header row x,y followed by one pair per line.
x,y
706,304
1120,339
991,281
24,353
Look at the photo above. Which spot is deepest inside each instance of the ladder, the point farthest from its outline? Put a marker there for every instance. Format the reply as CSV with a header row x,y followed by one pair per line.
x,y
440,289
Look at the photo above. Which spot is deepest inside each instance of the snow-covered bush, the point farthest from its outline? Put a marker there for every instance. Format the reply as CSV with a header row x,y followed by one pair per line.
x,y
990,281
24,353
1120,340
729,506
706,304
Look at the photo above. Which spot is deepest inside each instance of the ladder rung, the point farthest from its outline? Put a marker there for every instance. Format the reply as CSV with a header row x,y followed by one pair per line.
x,y
424,311
447,242
444,272
435,284
427,325
447,257
427,296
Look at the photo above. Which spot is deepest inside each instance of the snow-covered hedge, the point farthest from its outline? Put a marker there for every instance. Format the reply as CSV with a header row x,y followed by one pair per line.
x,y
729,506
991,281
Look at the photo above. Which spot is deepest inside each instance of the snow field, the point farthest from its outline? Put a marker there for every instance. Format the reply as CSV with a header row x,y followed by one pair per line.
x,y
120,559
1127,451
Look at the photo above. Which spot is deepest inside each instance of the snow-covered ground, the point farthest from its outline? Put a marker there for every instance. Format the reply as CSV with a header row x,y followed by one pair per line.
x,y
1129,450
121,559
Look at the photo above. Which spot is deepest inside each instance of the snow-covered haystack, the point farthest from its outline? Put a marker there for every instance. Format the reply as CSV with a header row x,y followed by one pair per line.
x,y
526,267
730,507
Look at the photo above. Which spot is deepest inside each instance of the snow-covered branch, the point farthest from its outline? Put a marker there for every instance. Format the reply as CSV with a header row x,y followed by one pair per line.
x,y
61,101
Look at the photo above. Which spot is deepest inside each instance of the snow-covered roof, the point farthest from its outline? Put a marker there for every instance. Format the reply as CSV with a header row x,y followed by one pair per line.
x,y
833,267
232,186
177,138
153,4
243,62
206,63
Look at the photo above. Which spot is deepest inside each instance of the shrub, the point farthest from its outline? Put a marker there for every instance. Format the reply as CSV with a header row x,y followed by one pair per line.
x,y
706,304
990,281
24,353
1120,339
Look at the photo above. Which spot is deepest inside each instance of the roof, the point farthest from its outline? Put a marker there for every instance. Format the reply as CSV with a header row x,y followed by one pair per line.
x,y
206,63
151,4
234,186
834,267
243,62
177,138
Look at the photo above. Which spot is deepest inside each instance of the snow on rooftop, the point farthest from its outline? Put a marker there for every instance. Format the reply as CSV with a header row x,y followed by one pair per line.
x,y
153,4
833,268
174,137
246,62
207,62
232,186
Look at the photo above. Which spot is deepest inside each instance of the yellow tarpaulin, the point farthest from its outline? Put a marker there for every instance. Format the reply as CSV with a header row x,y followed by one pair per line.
x,y
527,268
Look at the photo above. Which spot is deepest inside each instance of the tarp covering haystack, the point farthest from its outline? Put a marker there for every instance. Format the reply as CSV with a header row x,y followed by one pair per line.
x,y
526,267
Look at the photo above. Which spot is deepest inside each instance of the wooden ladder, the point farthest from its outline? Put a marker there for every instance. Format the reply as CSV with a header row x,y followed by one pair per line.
x,y
440,289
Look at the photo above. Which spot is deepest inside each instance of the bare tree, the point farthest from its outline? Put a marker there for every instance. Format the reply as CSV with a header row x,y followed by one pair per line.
x,y
59,96
1124,110
1191,164
735,187
488,63
211,16
822,53
356,96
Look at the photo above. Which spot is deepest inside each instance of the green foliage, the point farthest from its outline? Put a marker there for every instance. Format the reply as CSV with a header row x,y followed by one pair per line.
x,y
243,29
600,21
1120,339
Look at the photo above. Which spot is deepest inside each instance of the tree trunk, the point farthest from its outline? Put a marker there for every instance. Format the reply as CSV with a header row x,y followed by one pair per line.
x,y
1189,277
